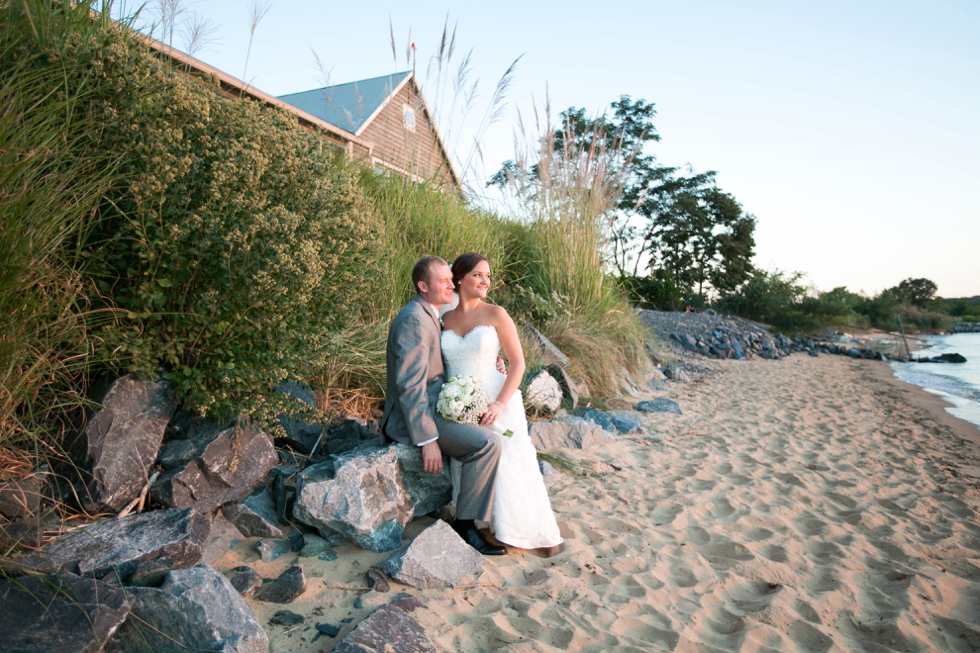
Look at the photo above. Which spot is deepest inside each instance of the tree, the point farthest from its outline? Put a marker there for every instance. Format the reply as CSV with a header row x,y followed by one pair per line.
x,y
665,221
918,292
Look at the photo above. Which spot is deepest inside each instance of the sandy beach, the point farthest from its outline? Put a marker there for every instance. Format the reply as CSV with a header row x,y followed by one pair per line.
x,y
806,504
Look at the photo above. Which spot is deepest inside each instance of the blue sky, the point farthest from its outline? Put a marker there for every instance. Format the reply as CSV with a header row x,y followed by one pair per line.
x,y
849,129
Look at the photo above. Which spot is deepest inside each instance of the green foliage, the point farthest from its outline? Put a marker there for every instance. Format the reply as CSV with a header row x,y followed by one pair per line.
x,y
235,244
917,292
656,292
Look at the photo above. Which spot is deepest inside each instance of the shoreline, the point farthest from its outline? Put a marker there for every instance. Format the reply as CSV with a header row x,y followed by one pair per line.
x,y
933,404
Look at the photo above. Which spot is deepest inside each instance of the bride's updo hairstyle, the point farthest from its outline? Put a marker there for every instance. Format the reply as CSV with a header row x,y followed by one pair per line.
x,y
464,264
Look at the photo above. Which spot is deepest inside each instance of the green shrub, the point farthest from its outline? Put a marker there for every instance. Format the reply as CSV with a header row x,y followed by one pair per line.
x,y
236,243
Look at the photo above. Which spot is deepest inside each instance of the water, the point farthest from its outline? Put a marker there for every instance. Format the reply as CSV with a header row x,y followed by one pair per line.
x,y
959,384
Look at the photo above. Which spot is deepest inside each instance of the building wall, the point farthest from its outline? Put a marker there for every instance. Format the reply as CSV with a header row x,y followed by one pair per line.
x,y
412,153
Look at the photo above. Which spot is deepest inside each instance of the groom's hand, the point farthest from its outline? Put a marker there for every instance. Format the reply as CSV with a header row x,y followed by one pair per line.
x,y
432,457
500,366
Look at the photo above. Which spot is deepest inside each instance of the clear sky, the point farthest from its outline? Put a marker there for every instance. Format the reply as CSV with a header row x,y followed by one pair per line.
x,y
849,129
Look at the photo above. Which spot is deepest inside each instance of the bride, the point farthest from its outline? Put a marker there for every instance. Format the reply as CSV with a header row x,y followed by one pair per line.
x,y
474,334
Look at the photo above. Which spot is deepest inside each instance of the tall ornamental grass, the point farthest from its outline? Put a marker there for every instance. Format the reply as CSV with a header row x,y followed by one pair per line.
x,y
50,188
563,200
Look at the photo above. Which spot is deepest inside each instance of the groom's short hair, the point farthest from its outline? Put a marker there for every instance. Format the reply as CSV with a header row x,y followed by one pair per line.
x,y
422,270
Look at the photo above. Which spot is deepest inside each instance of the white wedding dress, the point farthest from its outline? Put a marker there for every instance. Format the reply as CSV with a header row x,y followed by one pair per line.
x,y
522,515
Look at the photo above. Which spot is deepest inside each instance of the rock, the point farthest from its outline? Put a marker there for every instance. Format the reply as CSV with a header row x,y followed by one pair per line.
x,y
569,389
285,589
281,496
676,374
175,537
122,438
376,581
245,581
550,355
286,618
149,573
327,556
657,382
227,466
949,358
437,557
813,352
659,405
572,433
60,612
196,608
542,391
853,352
301,435
27,534
270,550
313,546
255,516
328,629
176,453
21,498
688,342
390,629
547,472
428,492
223,536
625,421
350,435
362,498
597,417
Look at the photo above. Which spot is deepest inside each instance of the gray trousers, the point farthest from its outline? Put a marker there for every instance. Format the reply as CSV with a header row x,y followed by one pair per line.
x,y
478,449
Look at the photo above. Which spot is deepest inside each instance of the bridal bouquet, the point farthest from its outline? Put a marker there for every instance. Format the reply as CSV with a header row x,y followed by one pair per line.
x,y
464,399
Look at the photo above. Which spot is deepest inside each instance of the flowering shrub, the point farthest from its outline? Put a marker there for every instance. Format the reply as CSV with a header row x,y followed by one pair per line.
x,y
235,242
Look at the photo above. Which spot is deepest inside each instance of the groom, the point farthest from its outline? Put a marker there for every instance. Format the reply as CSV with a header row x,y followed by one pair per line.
x,y
415,376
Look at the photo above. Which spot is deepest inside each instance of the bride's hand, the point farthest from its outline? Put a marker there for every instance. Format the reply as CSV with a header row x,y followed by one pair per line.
x,y
493,411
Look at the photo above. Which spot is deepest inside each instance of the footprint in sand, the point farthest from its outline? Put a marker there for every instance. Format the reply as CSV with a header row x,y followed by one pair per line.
x,y
808,639
774,552
747,598
724,555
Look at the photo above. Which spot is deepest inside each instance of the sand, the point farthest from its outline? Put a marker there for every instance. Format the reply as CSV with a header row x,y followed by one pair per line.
x,y
807,504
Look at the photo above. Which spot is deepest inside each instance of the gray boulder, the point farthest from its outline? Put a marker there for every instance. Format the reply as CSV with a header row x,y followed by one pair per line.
x,y
313,546
570,433
21,498
390,629
594,415
626,421
285,589
223,536
437,557
547,472
301,435
569,389
659,405
255,516
270,550
59,612
351,435
196,608
362,497
123,438
542,391
175,537
428,492
227,465
245,581
550,355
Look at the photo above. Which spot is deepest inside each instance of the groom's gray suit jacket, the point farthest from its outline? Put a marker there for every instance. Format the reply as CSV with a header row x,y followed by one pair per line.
x,y
415,376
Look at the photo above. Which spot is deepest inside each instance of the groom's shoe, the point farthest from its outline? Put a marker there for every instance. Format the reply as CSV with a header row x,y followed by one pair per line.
x,y
467,530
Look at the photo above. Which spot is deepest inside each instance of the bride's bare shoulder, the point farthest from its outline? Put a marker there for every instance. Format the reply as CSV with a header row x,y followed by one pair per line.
x,y
496,315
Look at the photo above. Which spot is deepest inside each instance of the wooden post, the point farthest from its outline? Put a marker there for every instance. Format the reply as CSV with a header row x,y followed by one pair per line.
x,y
902,329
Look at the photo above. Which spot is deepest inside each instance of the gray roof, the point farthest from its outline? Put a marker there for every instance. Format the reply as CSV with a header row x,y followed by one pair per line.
x,y
347,106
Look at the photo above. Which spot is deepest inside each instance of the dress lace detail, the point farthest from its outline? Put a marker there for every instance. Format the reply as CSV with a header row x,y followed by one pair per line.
x,y
522,515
